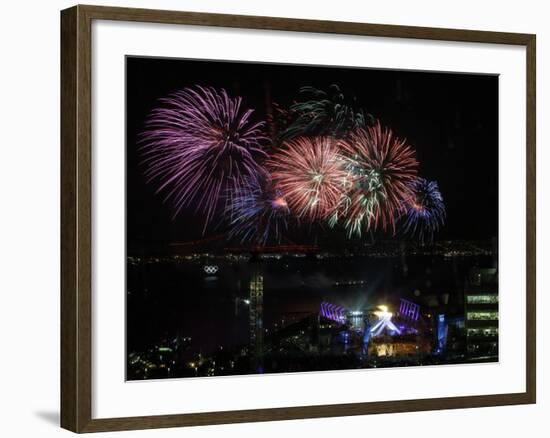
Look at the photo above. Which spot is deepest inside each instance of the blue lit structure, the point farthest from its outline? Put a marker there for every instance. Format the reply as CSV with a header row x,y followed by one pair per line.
x,y
366,337
333,312
409,310
442,329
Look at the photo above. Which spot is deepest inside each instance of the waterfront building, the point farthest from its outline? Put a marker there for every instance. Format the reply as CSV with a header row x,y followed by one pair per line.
x,y
481,313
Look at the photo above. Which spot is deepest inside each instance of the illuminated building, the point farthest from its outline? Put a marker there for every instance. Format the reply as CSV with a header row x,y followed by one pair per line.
x,y
373,332
388,340
442,330
256,298
333,312
409,310
481,313
356,320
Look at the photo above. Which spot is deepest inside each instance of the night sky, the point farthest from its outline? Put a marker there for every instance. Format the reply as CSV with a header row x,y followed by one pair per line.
x,y
451,120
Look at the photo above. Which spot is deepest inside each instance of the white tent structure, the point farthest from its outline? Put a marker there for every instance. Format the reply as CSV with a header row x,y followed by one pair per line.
x,y
384,322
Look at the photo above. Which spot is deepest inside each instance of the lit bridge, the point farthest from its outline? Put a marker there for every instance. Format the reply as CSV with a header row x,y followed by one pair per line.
x,y
218,243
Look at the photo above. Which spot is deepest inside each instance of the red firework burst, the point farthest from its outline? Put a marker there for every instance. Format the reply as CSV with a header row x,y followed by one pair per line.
x,y
311,174
383,168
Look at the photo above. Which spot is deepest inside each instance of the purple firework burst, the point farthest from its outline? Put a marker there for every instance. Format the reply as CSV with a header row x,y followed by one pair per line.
x,y
426,211
258,212
200,145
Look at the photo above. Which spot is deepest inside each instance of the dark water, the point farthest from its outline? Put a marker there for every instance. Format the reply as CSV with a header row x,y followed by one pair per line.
x,y
176,297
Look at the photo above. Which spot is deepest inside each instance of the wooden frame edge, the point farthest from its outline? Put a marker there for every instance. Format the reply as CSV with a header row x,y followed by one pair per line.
x,y
69,326
75,220
531,218
301,413
76,226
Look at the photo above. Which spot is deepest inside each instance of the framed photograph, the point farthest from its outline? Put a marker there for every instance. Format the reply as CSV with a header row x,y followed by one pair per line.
x,y
270,219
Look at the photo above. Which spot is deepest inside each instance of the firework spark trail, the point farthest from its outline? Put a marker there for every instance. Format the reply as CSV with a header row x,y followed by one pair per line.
x,y
321,113
383,167
200,145
258,212
426,211
311,175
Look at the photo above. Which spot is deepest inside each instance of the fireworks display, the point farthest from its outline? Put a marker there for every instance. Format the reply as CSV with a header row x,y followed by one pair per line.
x,y
198,145
258,212
327,162
311,175
383,168
426,211
322,113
